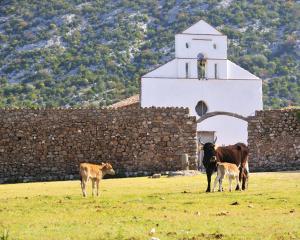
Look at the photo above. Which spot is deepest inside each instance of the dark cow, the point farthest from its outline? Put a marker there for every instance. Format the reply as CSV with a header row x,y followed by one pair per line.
x,y
236,154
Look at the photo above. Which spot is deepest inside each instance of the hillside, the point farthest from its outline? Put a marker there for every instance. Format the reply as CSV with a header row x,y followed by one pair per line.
x,y
70,53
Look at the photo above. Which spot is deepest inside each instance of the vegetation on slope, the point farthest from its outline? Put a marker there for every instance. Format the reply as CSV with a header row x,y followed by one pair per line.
x,y
70,52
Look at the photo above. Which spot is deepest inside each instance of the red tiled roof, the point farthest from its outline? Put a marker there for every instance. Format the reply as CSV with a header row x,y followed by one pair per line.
x,y
131,101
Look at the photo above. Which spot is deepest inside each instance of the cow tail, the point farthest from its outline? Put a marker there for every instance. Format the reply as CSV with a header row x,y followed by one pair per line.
x,y
247,166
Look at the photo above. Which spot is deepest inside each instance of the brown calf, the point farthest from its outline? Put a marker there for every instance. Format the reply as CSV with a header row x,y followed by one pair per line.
x,y
95,173
229,169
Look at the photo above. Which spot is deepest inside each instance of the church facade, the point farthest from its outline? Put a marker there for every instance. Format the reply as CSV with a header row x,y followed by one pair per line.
x,y
201,78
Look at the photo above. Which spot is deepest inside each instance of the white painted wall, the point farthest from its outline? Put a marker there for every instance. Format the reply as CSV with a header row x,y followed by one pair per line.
x,y
167,70
202,27
192,68
237,96
221,69
196,46
177,69
237,72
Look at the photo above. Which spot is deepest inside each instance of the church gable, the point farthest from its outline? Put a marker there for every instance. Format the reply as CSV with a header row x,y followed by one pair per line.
x,y
234,71
202,28
213,63
167,70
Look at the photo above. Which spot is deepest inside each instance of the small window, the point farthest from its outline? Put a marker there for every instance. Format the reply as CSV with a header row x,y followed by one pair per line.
x,y
201,108
187,45
186,70
215,46
216,71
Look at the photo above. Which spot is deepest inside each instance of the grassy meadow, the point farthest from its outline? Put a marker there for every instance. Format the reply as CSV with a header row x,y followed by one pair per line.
x,y
178,208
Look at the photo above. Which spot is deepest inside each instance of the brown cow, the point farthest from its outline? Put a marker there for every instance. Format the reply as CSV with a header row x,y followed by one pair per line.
x,y
95,173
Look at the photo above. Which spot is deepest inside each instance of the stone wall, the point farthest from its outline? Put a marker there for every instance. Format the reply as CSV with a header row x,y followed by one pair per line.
x,y
274,140
49,144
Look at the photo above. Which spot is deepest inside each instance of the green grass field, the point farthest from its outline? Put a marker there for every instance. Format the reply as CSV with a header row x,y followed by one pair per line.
x,y
178,208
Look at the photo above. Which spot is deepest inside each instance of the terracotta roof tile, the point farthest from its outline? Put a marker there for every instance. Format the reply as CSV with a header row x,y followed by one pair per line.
x,y
131,101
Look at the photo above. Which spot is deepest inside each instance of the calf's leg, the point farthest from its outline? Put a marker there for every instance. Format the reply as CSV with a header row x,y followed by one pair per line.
x,y
81,183
220,183
93,186
217,180
97,184
83,186
230,183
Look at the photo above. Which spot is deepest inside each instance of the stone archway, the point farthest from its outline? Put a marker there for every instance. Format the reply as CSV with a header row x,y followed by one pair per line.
x,y
212,114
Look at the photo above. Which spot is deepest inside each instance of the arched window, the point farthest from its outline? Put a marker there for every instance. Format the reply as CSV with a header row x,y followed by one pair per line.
x,y
201,61
201,108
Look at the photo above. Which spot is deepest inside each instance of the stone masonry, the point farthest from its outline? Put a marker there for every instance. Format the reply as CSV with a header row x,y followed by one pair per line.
x,y
49,144
274,140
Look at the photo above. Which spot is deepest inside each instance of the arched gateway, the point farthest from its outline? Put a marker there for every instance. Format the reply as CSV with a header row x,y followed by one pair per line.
x,y
210,136
212,114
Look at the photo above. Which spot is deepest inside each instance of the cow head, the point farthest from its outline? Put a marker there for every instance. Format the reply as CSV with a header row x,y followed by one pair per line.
x,y
209,149
108,169
210,154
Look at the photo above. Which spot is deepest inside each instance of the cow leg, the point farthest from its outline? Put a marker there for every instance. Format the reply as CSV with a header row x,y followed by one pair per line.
x,y
240,178
238,182
81,184
84,182
208,175
97,185
93,186
244,182
247,173
243,178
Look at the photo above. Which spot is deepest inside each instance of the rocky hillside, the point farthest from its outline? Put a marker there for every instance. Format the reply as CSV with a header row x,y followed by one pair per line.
x,y
66,53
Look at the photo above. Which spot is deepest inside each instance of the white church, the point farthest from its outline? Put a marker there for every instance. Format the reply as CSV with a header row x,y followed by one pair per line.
x,y
201,78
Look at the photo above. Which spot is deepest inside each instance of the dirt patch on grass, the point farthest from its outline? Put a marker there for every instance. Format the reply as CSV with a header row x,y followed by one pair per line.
x,y
204,236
